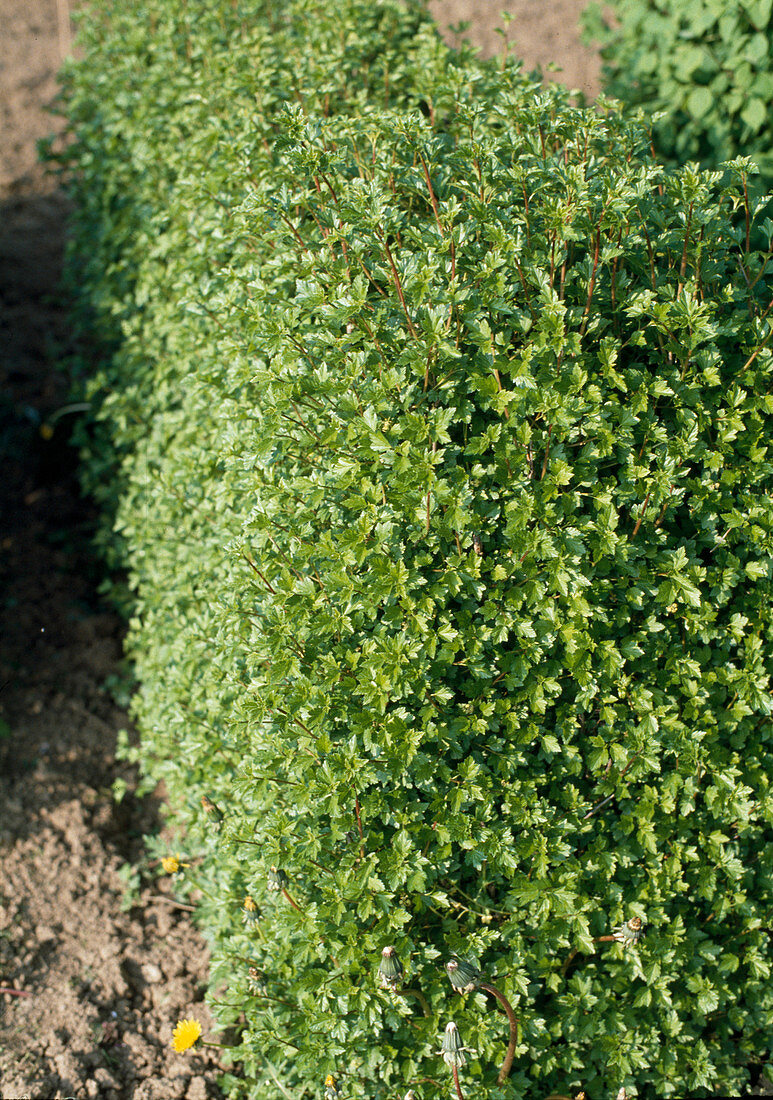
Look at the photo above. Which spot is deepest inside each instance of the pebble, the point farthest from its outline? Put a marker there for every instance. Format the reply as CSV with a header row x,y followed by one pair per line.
x,y
197,1089
152,973
105,1078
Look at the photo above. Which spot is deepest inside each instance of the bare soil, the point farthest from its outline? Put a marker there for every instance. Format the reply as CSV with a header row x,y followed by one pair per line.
x,y
97,984
544,34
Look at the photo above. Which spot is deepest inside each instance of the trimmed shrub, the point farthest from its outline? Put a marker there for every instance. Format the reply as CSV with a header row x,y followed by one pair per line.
x,y
434,441
703,69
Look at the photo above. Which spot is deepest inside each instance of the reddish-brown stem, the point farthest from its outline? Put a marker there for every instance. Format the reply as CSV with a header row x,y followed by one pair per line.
x,y
504,1072
745,275
683,264
547,453
659,520
14,992
399,287
592,283
254,567
434,448
432,198
359,824
568,961
525,288
573,952
652,258
294,231
374,340
297,721
323,230
329,187
698,281
294,903
499,386
372,281
754,354
613,277
302,422
761,271
459,1092
301,350
419,997
598,806
641,516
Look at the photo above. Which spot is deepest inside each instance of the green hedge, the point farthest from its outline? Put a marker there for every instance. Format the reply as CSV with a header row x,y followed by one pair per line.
x,y
704,68
433,439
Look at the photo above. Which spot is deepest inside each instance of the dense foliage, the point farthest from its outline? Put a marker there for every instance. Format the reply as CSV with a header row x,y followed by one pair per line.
x,y
703,68
434,440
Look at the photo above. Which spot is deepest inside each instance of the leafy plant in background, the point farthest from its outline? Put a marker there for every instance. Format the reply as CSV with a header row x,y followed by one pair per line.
x,y
433,439
703,69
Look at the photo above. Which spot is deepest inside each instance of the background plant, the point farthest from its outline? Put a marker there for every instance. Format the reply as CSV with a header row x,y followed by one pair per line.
x,y
703,69
431,426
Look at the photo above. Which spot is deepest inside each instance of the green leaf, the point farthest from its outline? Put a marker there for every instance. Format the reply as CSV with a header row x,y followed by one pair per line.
x,y
700,102
759,12
755,113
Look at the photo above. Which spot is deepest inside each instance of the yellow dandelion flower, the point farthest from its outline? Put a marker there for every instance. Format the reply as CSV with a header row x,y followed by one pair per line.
x,y
249,911
170,864
185,1035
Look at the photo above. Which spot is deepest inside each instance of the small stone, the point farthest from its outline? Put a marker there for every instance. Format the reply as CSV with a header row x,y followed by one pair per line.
x,y
105,1079
160,1088
141,1051
197,1089
152,973
65,1066
92,1089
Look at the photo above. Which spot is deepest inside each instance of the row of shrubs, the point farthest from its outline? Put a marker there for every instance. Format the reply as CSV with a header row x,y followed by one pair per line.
x,y
430,423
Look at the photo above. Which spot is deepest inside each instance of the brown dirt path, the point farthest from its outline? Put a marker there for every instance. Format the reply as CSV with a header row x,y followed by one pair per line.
x,y
99,985
541,33
96,986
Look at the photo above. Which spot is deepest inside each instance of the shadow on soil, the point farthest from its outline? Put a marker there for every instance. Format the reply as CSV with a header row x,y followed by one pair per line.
x,y
99,981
